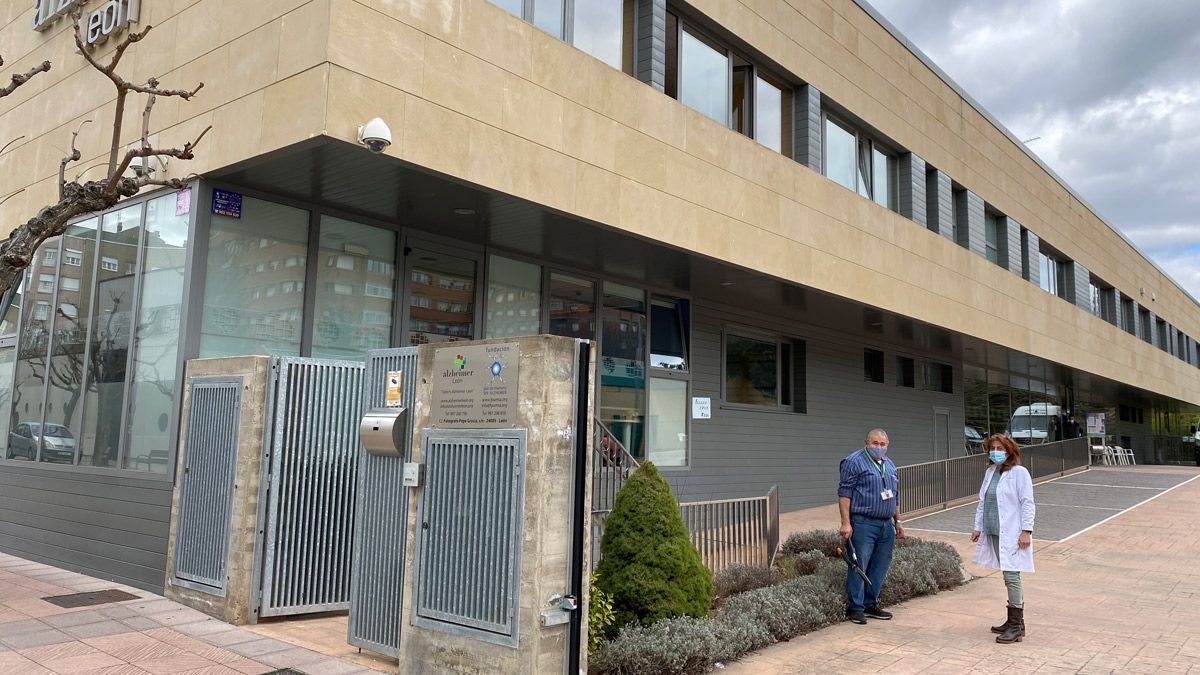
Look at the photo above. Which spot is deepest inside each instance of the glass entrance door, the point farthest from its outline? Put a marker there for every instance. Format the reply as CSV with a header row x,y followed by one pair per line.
x,y
441,297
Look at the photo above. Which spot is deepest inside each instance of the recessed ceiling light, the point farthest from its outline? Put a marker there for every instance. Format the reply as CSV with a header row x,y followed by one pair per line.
x,y
728,283
464,211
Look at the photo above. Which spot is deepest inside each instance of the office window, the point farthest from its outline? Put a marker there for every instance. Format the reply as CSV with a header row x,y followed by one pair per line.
x,y
572,306
1048,273
669,334
73,257
883,179
905,372
938,377
514,298
766,372
1128,315
45,283
704,76
109,264
338,330
69,283
50,257
1147,325
1094,295
1161,327
772,114
991,226
873,365
840,148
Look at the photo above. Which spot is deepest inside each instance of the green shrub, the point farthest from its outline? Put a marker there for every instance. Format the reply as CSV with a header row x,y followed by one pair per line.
x,y
906,578
808,562
739,578
679,646
785,610
600,614
649,566
825,541
738,634
940,559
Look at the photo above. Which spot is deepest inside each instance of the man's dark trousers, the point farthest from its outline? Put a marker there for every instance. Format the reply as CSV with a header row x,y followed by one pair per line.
x,y
873,540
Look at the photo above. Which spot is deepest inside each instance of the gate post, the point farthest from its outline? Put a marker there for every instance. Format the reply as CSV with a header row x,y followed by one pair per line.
x,y
229,522
497,425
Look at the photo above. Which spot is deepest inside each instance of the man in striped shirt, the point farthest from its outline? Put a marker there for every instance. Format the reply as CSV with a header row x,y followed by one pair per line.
x,y
869,501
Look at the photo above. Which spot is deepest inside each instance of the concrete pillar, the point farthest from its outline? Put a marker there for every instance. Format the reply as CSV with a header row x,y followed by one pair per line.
x,y
650,38
806,130
911,199
544,376
237,605
968,222
1009,239
939,203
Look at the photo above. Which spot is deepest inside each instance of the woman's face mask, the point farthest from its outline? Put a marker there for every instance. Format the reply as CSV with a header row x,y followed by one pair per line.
x,y
997,456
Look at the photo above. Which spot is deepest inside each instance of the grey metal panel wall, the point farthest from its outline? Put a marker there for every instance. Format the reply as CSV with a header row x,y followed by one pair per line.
x,y
912,199
939,204
741,453
806,136
651,37
1029,261
109,526
1077,291
1010,245
968,223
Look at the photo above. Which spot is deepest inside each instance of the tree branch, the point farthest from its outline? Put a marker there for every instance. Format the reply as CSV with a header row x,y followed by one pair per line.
x,y
73,157
19,79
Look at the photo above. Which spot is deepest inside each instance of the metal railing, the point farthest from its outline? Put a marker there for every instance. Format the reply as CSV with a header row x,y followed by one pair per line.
x,y
724,531
728,531
931,486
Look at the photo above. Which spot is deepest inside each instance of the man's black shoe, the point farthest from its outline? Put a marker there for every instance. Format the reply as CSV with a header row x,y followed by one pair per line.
x,y
856,617
876,613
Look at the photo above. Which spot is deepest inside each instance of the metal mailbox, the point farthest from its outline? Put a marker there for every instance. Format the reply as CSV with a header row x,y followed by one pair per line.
x,y
382,431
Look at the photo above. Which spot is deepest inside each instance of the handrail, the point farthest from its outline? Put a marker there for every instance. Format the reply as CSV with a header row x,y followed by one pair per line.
x,y
626,459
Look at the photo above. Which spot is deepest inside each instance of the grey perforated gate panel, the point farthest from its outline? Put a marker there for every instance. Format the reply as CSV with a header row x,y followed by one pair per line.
x,y
469,538
206,489
377,579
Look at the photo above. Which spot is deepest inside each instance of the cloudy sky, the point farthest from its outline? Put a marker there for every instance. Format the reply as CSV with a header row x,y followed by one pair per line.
x,y
1112,87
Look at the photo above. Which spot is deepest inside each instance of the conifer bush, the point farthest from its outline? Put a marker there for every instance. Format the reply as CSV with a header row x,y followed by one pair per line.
x,y
649,566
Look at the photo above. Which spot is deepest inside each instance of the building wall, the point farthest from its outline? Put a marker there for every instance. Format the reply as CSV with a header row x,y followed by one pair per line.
x,y
742,453
108,526
490,99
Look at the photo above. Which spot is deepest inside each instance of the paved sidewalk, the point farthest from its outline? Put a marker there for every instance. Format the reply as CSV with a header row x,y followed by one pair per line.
x,y
1123,597
147,636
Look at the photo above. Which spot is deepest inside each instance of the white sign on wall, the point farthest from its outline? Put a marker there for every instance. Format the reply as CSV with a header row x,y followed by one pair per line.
x,y
110,17
701,408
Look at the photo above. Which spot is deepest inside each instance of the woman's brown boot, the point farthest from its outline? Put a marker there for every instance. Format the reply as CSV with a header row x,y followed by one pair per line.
x,y
1015,631
1007,622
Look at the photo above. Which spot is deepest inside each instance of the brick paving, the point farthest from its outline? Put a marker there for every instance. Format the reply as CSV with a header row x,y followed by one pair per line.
x,y
147,636
1123,597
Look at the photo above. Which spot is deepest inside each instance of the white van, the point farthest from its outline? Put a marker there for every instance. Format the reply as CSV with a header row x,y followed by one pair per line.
x,y
1034,423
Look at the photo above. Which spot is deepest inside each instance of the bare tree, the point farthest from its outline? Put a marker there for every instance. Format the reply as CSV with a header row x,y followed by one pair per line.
x,y
76,198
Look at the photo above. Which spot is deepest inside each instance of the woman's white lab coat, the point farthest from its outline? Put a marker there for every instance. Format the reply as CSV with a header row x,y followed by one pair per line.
x,y
1014,501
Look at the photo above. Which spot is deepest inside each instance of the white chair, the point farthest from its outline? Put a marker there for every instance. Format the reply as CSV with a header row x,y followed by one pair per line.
x,y
1126,455
1099,455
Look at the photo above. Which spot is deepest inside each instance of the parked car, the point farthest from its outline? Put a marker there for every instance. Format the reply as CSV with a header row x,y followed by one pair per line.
x,y
58,445
974,440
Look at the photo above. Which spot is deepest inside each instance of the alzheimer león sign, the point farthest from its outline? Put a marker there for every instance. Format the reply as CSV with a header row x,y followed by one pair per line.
x,y
475,387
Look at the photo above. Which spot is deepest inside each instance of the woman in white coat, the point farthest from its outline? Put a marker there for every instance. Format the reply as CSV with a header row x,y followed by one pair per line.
x,y
1004,528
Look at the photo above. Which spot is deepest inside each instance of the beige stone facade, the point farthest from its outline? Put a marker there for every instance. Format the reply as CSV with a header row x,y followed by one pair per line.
x,y
479,95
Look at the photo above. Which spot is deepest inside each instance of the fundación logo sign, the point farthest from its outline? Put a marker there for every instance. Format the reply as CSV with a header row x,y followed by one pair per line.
x,y
111,17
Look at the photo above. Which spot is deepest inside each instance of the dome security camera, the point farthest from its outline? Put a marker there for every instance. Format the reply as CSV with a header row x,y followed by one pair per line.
x,y
375,135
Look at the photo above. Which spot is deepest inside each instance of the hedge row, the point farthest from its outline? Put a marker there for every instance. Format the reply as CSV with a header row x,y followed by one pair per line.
x,y
802,593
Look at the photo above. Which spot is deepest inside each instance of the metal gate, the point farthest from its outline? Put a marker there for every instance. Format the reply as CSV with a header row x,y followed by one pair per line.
x,y
309,488
468,557
206,489
381,517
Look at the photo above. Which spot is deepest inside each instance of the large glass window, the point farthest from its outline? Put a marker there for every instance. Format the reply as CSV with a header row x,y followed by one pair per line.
x,y
109,339
1048,273
751,370
249,261
771,115
669,334
600,28
441,305
840,154
514,297
33,343
356,273
156,337
704,77
883,175
623,364
67,384
572,307
548,15
667,429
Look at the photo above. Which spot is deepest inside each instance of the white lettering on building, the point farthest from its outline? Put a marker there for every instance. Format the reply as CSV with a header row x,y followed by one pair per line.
x,y
96,26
